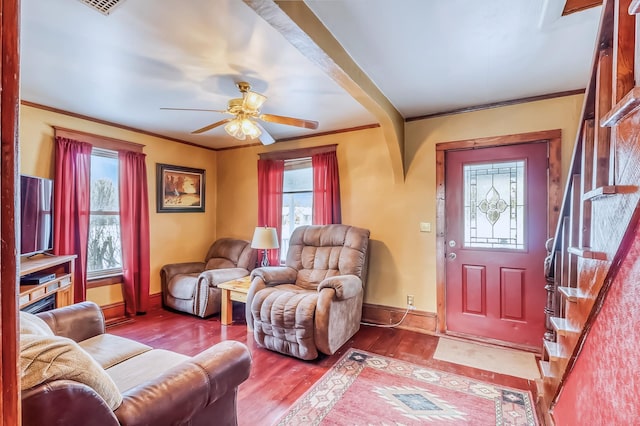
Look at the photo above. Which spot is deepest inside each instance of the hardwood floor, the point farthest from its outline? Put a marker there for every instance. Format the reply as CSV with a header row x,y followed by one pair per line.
x,y
276,380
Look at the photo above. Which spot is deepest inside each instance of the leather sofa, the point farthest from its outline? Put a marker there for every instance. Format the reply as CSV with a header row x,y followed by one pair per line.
x,y
313,303
192,287
153,386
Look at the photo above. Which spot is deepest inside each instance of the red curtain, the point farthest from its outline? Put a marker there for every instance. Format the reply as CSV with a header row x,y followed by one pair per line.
x,y
72,187
134,230
270,180
326,189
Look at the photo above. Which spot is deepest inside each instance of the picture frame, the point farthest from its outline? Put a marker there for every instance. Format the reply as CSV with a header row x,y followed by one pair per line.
x,y
179,189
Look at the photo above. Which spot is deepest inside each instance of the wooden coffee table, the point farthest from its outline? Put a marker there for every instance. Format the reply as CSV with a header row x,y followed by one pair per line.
x,y
233,291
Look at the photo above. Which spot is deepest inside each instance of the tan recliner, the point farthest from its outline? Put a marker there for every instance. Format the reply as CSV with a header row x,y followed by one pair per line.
x,y
192,287
313,303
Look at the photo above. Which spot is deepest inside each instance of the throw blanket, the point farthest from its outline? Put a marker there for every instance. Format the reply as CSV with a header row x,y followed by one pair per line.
x,y
45,357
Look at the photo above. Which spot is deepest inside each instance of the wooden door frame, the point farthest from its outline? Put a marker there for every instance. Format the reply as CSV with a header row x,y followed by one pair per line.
x,y
9,108
553,138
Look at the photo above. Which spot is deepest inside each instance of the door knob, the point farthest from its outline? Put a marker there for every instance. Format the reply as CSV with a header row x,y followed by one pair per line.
x,y
452,256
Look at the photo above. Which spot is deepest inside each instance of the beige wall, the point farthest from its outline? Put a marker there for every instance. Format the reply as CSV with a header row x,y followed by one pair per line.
x,y
402,258
175,237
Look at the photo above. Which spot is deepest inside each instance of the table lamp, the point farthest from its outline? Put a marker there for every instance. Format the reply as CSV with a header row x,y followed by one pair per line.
x,y
265,238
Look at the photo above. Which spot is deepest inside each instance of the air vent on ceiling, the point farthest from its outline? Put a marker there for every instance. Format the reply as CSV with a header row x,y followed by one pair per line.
x,y
103,6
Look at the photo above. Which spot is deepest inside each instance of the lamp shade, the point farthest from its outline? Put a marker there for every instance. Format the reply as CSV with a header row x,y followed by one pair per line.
x,y
265,238
253,101
242,127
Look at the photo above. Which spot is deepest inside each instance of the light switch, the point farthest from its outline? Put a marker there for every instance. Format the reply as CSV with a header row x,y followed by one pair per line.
x,y
425,227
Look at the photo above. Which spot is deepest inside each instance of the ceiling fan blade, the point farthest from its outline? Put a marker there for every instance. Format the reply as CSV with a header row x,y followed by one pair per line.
x,y
211,126
289,121
265,137
195,109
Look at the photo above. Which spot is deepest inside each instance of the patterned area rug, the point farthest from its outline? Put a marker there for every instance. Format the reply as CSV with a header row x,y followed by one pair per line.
x,y
368,389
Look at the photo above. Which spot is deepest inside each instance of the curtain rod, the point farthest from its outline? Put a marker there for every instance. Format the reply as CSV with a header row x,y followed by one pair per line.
x,y
297,153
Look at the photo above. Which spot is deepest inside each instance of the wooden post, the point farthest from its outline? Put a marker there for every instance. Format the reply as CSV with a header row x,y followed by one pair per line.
x,y
601,152
624,30
9,107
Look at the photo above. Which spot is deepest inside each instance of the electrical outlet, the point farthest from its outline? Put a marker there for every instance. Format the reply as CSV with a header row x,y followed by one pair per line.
x,y
410,301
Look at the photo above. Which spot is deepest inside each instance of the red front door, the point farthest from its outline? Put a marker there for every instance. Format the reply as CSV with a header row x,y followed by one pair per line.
x,y
496,227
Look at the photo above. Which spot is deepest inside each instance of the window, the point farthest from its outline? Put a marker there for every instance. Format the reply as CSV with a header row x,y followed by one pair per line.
x,y
494,210
104,254
297,187
297,199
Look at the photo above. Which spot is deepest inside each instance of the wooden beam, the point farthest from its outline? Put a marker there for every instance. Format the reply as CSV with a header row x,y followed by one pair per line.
x,y
302,28
572,6
9,107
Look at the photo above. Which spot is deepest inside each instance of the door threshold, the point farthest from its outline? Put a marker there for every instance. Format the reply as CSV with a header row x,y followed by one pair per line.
x,y
491,342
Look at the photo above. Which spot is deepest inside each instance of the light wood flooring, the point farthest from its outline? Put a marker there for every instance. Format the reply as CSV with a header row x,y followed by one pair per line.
x,y
276,380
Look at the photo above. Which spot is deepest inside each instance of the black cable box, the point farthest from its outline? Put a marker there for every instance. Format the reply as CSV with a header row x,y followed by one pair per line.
x,y
35,279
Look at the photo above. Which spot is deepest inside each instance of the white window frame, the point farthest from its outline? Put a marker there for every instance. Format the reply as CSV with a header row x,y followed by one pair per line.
x,y
294,164
111,272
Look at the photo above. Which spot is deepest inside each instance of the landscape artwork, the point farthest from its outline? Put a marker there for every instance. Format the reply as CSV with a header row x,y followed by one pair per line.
x,y
179,189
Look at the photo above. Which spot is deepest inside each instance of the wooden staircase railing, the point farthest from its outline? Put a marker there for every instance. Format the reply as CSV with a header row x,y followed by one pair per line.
x,y
600,202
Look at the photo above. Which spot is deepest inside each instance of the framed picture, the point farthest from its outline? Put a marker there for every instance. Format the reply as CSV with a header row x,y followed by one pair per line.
x,y
179,189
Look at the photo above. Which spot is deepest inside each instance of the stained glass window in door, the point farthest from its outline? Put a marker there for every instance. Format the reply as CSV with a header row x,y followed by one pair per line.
x,y
494,207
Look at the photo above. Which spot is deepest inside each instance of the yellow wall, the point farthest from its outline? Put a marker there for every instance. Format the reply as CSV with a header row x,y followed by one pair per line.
x,y
175,237
402,258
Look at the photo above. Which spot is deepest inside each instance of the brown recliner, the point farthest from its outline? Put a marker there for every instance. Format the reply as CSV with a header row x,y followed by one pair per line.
x,y
313,303
192,287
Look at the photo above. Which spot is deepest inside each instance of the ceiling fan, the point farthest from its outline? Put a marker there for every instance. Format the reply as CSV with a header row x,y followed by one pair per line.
x,y
246,113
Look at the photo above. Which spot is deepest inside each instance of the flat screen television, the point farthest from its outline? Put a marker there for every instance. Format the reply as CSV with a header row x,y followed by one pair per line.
x,y
36,215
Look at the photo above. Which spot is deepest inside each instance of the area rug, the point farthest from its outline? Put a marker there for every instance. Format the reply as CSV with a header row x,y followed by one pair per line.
x,y
368,389
499,360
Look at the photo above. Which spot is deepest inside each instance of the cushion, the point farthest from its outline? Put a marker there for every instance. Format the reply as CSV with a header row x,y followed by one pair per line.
x,y
48,358
110,350
182,286
219,263
283,320
144,367
32,324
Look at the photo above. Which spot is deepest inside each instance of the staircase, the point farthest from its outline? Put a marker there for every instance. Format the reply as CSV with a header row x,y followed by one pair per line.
x,y
600,204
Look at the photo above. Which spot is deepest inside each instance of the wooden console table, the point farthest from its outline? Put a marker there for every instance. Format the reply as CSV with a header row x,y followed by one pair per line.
x,y
61,286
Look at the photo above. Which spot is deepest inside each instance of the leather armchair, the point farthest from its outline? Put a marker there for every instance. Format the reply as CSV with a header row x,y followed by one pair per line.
x,y
192,287
313,303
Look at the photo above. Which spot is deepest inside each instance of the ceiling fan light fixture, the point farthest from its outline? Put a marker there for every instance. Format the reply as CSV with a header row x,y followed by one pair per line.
x,y
253,101
233,128
250,128
242,128
246,116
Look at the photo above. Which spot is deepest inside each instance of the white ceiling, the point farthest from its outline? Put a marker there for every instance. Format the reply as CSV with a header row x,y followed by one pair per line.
x,y
426,56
